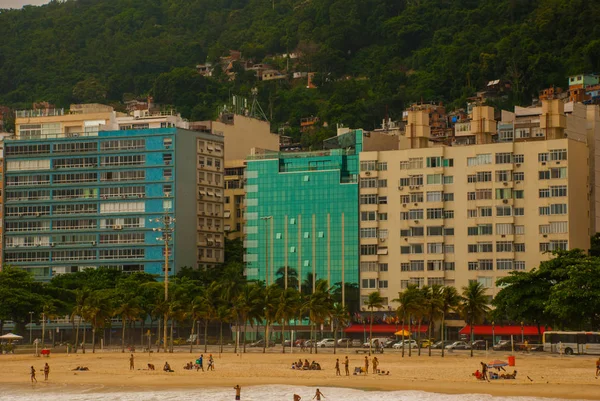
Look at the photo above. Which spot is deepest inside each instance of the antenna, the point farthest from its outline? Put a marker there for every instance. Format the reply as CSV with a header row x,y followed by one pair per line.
x,y
256,111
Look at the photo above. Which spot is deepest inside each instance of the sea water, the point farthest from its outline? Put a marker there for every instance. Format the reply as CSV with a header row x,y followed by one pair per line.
x,y
254,393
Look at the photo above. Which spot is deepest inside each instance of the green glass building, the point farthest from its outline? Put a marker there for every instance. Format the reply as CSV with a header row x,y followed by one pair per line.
x,y
302,217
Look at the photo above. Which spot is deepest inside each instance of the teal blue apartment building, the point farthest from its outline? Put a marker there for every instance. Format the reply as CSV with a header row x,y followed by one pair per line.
x,y
78,202
302,217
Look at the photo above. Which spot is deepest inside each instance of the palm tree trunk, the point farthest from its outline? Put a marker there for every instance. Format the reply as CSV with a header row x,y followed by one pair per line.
x,y
244,338
371,333
124,325
443,332
192,336
158,336
471,338
172,324
220,338
283,336
142,331
206,336
237,333
77,335
419,339
403,331
429,333
266,336
409,336
83,342
335,340
94,339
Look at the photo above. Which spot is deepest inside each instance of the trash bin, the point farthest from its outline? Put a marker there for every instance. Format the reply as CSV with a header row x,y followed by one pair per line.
x,y
511,360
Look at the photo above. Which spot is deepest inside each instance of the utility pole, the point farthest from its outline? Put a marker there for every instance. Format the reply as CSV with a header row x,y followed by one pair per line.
x,y
167,229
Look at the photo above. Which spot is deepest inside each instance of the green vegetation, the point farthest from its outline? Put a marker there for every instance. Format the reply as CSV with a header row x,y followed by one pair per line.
x,y
367,54
561,293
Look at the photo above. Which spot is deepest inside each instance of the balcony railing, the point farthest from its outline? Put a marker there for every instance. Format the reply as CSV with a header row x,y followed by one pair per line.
x,y
40,113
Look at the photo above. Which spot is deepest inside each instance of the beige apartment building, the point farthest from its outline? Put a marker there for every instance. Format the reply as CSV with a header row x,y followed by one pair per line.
x,y
241,134
452,214
78,120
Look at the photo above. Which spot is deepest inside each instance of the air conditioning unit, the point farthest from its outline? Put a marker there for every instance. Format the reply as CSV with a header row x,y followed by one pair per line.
x,y
52,245
543,163
167,146
504,200
411,187
545,235
382,239
20,214
505,183
518,182
557,162
416,221
167,162
94,243
118,227
503,236
401,188
518,164
416,204
38,214
368,173
404,205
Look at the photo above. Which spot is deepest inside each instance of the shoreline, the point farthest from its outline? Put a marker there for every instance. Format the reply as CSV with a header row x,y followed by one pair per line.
x,y
563,378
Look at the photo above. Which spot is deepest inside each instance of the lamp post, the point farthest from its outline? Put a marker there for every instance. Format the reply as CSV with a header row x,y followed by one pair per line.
x,y
31,327
167,229
266,219
493,334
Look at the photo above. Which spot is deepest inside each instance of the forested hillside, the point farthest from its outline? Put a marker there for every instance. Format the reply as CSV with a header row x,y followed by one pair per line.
x,y
368,54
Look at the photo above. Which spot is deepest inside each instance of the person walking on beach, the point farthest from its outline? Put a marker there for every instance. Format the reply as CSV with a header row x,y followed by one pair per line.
x,y
337,367
46,371
200,363
238,392
597,367
484,370
131,363
346,363
211,363
318,395
32,373
366,365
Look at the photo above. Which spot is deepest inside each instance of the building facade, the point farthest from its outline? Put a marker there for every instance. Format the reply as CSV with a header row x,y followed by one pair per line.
x,y
85,201
449,215
302,217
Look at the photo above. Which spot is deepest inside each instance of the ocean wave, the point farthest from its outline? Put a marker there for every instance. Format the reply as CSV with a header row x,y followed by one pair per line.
x,y
254,393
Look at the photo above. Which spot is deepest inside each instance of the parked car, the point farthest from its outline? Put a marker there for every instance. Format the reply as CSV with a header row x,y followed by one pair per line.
x,y
503,345
441,344
406,343
376,342
287,343
261,343
389,343
345,342
458,345
426,343
326,342
356,343
479,344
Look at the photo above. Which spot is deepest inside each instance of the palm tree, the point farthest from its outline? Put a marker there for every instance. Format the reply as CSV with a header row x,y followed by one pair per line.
x,y
318,305
374,300
48,311
195,311
223,315
450,302
292,278
247,305
341,317
409,301
269,303
97,310
128,309
420,312
80,299
286,309
210,299
433,306
474,306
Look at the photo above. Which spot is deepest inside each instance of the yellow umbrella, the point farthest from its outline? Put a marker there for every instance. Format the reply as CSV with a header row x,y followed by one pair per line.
x,y
404,333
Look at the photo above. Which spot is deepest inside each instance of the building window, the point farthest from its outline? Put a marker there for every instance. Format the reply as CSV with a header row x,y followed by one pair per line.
x,y
383,216
448,179
368,250
382,183
369,283
382,166
383,267
479,160
383,284
368,216
368,165
558,191
368,199
436,213
434,196
558,154
518,176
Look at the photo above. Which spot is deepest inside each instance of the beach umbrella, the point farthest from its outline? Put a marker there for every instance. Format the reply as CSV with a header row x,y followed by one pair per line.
x,y
11,336
404,333
497,363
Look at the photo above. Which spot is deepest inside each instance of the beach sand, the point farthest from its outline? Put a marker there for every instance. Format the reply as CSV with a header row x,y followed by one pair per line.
x,y
553,376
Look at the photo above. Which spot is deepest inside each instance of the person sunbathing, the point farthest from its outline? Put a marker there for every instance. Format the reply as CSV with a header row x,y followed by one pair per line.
x,y
150,366
167,367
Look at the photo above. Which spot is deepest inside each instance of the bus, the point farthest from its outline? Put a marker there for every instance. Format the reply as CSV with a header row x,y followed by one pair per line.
x,y
572,342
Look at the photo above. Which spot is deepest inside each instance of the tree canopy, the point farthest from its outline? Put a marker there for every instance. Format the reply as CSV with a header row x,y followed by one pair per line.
x,y
368,55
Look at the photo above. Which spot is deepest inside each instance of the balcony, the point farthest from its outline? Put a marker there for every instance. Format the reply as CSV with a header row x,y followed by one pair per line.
x,y
40,113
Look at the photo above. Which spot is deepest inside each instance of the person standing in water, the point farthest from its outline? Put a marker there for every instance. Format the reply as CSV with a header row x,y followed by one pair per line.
x,y
46,371
238,392
297,397
318,395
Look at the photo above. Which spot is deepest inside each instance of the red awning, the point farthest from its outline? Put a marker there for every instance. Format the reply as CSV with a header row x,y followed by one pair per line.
x,y
383,328
502,330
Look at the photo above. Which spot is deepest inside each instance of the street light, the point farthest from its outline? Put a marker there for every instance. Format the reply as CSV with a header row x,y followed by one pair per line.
x,y
31,327
493,333
167,229
266,219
